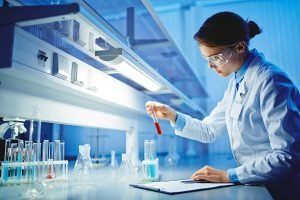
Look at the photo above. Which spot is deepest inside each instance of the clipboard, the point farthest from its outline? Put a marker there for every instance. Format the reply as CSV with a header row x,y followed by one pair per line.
x,y
180,186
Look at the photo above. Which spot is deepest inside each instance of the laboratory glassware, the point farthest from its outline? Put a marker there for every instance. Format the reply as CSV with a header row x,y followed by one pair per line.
x,y
45,158
156,123
13,159
57,157
6,160
171,160
151,162
113,161
20,158
114,165
51,169
98,141
62,157
83,165
126,168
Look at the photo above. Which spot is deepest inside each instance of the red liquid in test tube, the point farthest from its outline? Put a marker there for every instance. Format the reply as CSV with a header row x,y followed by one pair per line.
x,y
157,126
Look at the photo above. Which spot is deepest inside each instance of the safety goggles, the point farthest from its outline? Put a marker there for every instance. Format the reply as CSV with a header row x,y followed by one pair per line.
x,y
219,60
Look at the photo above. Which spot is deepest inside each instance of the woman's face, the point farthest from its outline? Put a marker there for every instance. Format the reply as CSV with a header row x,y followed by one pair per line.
x,y
223,60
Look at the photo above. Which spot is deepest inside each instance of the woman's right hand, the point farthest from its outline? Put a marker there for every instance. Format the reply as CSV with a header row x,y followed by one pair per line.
x,y
162,111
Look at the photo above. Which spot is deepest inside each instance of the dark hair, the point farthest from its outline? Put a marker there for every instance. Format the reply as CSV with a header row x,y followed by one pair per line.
x,y
226,28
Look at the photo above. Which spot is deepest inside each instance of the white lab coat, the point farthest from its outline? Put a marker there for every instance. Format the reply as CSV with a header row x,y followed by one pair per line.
x,y
262,120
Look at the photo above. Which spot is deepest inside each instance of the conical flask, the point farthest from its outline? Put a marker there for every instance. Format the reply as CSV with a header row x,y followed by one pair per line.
x,y
83,165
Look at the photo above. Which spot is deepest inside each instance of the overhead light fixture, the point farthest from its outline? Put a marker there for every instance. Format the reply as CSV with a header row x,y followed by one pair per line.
x,y
125,64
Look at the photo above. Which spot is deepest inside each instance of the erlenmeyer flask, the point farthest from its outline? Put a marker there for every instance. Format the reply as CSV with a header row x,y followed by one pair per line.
x,y
171,160
83,165
126,168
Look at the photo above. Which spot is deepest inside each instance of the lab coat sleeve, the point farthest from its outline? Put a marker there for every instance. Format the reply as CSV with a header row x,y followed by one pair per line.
x,y
209,128
279,107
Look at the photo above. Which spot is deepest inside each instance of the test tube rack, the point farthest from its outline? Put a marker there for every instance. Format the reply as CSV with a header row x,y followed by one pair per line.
x,y
29,172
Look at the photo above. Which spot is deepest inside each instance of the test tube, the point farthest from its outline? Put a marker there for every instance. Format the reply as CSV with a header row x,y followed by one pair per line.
x,y
155,120
56,150
51,173
146,150
56,157
33,159
147,164
28,153
20,158
6,161
45,150
62,151
13,158
62,157
45,157
153,167
38,160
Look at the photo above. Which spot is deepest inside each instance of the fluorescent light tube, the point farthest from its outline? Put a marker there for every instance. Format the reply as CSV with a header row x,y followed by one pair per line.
x,y
126,65
139,77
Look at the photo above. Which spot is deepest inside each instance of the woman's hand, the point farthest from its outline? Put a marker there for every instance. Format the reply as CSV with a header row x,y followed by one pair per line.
x,y
162,111
210,174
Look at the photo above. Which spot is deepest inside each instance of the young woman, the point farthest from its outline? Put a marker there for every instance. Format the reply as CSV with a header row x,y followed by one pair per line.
x,y
259,109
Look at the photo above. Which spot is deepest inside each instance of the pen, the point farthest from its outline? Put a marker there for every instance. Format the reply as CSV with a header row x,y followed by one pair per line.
x,y
194,181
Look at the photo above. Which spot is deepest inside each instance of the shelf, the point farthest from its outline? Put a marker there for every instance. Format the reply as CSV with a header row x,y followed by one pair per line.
x,y
55,72
134,27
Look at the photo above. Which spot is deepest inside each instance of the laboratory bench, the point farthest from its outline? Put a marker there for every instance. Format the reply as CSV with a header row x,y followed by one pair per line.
x,y
105,184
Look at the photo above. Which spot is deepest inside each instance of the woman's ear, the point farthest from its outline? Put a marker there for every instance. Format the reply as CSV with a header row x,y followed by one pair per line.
x,y
241,47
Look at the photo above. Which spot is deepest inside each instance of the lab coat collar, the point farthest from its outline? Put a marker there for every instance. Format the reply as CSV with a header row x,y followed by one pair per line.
x,y
239,75
250,74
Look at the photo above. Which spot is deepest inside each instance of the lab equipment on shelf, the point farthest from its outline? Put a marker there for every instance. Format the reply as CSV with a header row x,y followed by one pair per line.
x,y
151,162
83,165
23,164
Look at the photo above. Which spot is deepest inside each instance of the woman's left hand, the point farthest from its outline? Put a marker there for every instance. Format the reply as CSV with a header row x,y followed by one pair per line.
x,y
211,174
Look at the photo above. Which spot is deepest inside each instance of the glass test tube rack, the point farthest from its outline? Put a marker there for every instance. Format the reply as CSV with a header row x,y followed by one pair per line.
x,y
29,172
30,163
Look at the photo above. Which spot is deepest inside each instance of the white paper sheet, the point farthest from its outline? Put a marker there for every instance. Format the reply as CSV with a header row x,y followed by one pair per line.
x,y
179,186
